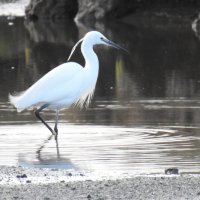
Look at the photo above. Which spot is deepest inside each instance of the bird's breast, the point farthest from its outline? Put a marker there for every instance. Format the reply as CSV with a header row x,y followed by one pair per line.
x,y
87,88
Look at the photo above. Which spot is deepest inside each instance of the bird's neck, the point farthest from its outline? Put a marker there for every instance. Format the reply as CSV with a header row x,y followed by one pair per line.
x,y
91,59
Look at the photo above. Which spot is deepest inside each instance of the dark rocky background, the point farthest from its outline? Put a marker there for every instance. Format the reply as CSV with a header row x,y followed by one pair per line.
x,y
92,10
52,9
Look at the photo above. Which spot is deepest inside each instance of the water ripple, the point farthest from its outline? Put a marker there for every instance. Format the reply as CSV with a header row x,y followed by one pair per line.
x,y
98,148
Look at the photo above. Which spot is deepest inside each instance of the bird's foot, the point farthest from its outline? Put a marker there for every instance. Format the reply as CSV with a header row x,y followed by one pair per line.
x,y
55,134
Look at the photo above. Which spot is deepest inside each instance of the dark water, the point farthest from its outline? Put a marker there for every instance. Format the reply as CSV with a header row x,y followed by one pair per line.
x,y
145,115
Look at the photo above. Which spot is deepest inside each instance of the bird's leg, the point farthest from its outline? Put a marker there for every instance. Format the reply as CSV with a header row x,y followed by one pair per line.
x,y
37,114
56,125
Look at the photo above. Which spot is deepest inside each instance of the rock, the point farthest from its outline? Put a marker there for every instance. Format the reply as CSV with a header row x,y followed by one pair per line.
x,y
21,176
89,196
93,10
99,10
69,174
51,9
24,176
171,171
196,26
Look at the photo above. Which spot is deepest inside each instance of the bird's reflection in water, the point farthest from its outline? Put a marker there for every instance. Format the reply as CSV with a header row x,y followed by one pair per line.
x,y
48,160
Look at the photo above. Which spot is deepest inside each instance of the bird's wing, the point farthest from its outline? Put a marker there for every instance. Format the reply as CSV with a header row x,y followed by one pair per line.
x,y
63,81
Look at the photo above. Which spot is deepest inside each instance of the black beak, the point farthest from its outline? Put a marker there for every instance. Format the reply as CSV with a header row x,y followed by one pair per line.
x,y
110,43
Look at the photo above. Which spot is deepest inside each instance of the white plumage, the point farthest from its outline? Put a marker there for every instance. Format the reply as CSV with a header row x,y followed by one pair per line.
x,y
55,88
67,84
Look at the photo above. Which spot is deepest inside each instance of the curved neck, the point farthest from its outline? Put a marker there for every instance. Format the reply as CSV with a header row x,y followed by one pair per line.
x,y
91,59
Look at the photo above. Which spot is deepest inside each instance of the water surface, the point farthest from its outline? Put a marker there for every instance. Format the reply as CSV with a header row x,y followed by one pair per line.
x,y
144,116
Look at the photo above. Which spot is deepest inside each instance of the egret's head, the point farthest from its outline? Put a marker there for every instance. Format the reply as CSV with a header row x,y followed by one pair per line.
x,y
95,37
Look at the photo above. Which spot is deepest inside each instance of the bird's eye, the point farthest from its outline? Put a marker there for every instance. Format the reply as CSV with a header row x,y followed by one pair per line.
x,y
101,38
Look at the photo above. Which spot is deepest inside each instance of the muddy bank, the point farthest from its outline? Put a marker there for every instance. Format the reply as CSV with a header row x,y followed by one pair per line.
x,y
19,183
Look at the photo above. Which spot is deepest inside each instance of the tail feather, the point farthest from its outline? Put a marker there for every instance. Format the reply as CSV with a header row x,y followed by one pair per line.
x,y
15,100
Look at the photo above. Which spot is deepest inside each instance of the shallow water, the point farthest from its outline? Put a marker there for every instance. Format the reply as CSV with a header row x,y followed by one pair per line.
x,y
144,116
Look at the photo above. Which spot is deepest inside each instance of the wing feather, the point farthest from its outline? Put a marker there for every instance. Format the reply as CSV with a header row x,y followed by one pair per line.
x,y
63,81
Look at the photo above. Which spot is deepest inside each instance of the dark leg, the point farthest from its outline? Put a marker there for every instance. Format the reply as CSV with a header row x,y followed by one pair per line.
x,y
37,114
56,125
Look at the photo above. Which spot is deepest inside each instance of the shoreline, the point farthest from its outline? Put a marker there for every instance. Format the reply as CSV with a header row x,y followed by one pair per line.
x,y
24,183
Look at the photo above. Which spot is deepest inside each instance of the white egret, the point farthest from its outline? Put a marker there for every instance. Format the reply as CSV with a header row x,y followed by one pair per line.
x,y
67,84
